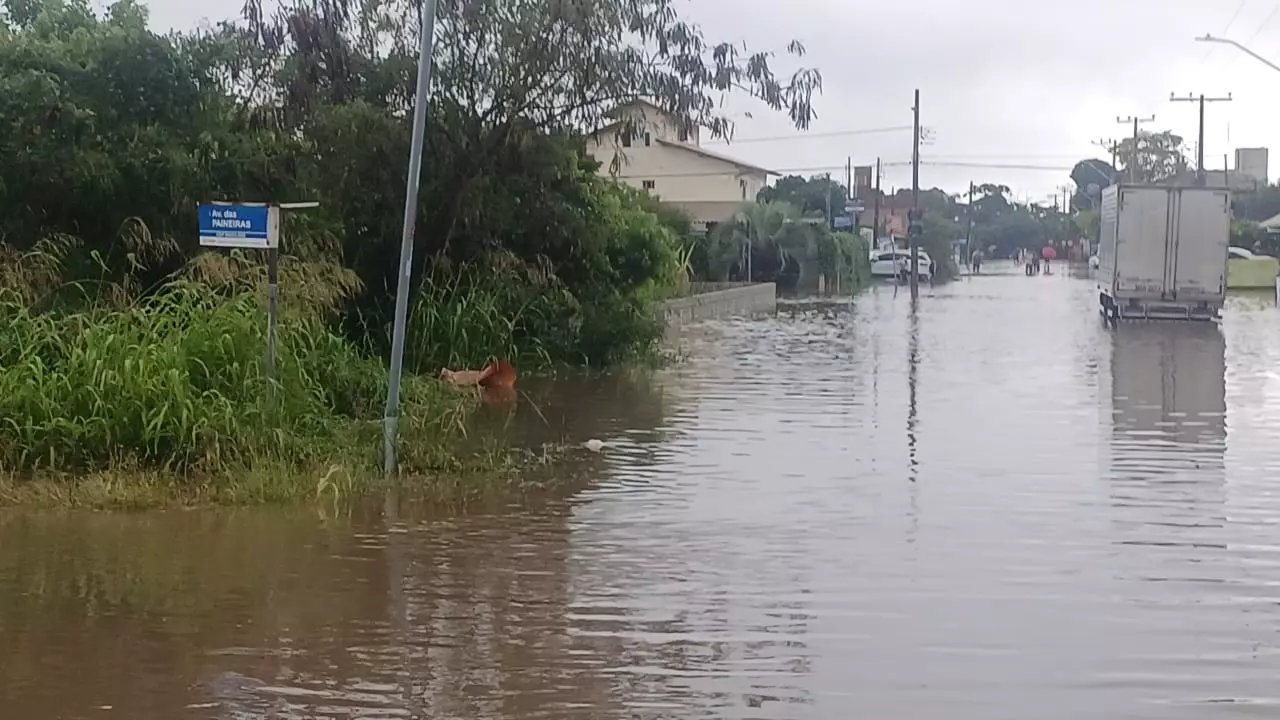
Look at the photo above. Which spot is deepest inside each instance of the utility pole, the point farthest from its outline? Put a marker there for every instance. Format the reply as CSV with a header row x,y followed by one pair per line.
x,y
829,223
915,229
1200,144
875,217
1133,161
1112,147
854,217
968,230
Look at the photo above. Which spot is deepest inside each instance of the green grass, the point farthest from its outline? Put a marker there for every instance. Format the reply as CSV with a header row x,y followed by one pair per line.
x,y
167,401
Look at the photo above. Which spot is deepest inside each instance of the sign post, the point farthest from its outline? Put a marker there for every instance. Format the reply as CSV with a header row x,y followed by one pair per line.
x,y
252,226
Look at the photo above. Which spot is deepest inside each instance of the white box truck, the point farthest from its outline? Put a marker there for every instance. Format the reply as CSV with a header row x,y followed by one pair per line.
x,y
1163,252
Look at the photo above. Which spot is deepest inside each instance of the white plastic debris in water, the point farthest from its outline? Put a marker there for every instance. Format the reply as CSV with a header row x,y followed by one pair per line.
x,y
594,445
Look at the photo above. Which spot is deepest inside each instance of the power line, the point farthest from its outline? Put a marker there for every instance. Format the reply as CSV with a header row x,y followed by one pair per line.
x,y
994,166
1234,16
1264,24
806,136
816,169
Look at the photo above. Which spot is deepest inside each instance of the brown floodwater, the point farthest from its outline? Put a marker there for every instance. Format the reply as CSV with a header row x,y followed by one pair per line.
x,y
991,507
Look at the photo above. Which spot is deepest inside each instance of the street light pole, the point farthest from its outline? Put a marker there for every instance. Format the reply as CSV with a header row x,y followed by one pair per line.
x,y
1238,46
421,100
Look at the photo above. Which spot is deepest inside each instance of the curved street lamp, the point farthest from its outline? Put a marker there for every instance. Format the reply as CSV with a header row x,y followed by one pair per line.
x,y
1209,38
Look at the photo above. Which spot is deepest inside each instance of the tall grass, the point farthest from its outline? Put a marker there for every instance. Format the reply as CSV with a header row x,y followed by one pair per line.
x,y
522,313
177,383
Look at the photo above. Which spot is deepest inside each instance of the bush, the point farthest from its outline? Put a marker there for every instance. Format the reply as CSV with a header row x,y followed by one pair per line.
x,y
846,256
178,383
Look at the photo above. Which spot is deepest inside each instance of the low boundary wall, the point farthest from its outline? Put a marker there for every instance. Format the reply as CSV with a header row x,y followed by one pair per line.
x,y
721,300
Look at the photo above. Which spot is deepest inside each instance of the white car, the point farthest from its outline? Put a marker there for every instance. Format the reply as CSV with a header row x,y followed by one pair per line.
x,y
1239,253
896,263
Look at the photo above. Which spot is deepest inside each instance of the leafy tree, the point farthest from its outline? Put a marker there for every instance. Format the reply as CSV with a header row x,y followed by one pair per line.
x,y
1087,174
1011,231
765,230
1088,223
812,196
1159,157
111,134
1246,234
939,233
844,258
1257,205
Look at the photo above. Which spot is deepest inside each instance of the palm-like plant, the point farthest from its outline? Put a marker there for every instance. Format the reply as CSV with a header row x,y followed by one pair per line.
x,y
755,228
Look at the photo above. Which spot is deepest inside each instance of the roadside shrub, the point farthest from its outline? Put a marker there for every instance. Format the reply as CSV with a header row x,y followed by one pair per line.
x,y
178,382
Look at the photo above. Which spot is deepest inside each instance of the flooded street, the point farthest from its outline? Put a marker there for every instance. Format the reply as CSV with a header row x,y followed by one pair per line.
x,y
993,507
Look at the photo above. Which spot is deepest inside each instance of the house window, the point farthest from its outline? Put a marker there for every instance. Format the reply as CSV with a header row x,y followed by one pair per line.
x,y
626,138
646,184
743,184
647,139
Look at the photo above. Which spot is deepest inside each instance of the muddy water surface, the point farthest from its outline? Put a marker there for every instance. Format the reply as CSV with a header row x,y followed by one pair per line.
x,y
991,507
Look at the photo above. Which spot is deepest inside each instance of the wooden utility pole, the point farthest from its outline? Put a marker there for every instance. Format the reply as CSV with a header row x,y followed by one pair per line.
x,y
915,229
968,230
1133,161
830,225
1200,144
875,216
1112,147
854,217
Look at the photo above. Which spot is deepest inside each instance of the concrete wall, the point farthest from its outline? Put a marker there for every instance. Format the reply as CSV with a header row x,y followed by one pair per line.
x,y
721,300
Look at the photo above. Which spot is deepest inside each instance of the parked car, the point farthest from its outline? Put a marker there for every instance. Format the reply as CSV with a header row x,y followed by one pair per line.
x,y
896,263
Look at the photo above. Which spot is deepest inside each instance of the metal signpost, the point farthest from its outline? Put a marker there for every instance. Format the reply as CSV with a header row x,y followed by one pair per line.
x,y
251,226
422,95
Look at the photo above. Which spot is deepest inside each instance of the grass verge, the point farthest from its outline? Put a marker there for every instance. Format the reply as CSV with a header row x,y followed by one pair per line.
x,y
167,401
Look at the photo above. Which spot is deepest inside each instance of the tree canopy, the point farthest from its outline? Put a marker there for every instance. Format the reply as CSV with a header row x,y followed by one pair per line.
x,y
112,134
811,196
1159,156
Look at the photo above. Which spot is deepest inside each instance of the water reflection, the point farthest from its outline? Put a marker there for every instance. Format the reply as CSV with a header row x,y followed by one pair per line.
x,y
1168,388
913,372
389,609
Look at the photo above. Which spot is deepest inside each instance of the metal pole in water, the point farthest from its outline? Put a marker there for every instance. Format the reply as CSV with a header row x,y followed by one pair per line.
x,y
914,231
273,284
421,99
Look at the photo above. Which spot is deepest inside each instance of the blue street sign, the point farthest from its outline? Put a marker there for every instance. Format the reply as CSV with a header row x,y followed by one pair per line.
x,y
242,226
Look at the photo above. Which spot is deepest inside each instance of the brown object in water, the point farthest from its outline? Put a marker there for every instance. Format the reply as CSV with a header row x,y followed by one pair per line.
x,y
500,396
497,374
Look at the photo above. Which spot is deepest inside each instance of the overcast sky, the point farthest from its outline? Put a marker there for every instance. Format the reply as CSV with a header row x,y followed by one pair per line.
x,y
1002,82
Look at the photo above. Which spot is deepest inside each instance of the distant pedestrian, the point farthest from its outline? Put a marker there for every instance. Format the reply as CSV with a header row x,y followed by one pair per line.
x,y
975,262
1050,254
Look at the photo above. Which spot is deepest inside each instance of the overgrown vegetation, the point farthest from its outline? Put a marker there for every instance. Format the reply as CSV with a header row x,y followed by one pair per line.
x,y
773,241
122,345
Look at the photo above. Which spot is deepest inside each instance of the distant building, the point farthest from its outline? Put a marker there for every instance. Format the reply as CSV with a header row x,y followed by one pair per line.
x,y
1252,162
650,149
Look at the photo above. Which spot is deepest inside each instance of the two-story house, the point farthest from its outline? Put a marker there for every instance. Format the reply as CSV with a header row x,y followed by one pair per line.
x,y
648,148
